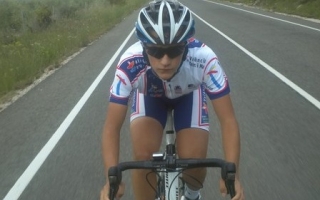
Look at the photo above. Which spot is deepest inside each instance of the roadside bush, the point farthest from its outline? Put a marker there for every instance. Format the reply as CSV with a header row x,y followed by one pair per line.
x,y
67,11
9,16
43,16
30,42
117,2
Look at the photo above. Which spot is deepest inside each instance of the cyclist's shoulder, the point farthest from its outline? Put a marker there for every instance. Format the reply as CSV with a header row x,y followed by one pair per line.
x,y
199,57
132,61
194,43
198,50
132,52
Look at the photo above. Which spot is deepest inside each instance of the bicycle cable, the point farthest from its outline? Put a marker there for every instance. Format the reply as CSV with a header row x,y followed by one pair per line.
x,y
147,179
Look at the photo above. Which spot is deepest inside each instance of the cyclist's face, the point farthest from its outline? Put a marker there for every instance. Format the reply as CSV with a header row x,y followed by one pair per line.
x,y
165,59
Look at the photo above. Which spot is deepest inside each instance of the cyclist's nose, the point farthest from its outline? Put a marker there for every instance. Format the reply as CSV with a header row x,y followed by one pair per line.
x,y
165,60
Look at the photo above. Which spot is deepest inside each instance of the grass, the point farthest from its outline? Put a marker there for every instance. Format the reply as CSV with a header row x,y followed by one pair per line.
x,y
303,8
31,53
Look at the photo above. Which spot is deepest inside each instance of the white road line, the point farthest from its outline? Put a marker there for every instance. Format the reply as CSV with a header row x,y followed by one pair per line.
x,y
310,98
34,166
274,18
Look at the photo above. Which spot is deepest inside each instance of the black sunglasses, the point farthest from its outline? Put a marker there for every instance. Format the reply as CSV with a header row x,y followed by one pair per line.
x,y
159,52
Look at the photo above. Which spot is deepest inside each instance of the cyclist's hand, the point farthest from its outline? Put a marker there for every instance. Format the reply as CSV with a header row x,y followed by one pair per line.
x,y
104,194
238,187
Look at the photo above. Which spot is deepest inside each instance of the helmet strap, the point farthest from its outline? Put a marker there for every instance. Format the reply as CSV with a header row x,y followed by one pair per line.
x,y
145,56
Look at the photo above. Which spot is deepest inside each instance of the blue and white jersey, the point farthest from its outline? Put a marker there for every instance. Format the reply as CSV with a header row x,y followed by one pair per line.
x,y
201,68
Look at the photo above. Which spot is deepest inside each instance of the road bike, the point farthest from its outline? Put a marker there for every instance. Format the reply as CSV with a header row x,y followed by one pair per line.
x,y
169,169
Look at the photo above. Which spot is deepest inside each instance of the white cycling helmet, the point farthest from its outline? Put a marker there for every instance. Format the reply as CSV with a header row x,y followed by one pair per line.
x,y
164,22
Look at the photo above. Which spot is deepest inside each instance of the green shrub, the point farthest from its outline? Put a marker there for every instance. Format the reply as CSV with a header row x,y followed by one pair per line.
x,y
117,2
43,16
67,11
10,16
27,52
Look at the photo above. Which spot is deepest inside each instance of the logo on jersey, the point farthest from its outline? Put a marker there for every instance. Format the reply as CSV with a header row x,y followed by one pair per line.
x,y
130,64
191,39
135,65
195,43
155,91
204,109
121,80
118,85
197,62
213,70
192,87
177,89
214,80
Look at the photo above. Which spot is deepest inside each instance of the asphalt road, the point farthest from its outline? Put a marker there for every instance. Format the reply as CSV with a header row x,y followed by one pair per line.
x,y
50,137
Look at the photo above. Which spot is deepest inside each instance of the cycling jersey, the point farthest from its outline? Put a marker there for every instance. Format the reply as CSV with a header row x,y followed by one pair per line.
x,y
200,68
199,73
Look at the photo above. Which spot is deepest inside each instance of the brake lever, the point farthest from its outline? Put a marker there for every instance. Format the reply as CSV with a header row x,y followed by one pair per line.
x,y
229,182
228,174
114,176
114,186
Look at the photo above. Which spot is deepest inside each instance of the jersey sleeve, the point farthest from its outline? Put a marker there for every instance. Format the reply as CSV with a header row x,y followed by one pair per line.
x,y
215,79
121,88
129,68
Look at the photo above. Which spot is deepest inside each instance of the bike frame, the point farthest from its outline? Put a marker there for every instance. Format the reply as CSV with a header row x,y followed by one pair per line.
x,y
169,178
171,166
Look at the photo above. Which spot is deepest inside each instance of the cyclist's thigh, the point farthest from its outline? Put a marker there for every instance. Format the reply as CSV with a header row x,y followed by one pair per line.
x,y
192,143
192,125
148,117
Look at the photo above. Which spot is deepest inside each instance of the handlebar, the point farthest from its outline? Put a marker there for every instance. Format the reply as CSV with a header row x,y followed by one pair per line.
x,y
228,170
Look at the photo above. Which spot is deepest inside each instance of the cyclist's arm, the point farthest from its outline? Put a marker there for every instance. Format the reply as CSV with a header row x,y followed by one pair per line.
x,y
229,127
217,88
111,134
116,112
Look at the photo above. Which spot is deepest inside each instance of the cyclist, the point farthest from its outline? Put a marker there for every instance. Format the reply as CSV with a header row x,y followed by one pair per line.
x,y
167,67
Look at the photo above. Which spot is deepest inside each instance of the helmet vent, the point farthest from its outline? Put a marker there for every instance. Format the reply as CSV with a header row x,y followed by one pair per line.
x,y
165,22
